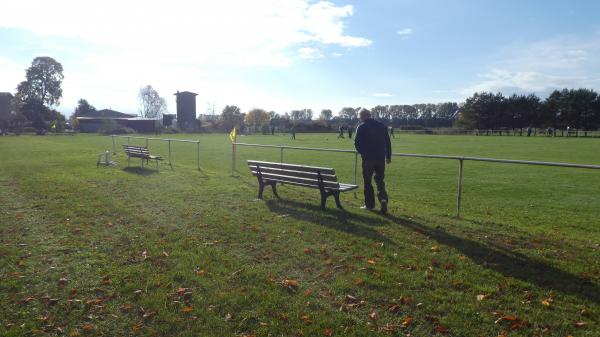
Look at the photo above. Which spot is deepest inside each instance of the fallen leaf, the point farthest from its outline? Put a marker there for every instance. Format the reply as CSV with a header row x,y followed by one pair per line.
x,y
441,329
305,319
394,307
328,332
373,315
546,303
290,284
187,309
480,297
106,280
62,282
200,272
308,292
227,317
308,250
405,300
165,254
371,262
407,321
580,324
88,327
435,249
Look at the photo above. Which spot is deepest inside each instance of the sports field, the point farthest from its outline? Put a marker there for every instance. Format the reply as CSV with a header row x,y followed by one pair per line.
x,y
112,251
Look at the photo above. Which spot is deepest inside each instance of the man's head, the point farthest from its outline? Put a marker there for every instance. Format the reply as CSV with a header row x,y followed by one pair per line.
x,y
364,114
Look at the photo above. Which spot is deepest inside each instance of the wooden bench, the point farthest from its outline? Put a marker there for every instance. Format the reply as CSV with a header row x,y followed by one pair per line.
x,y
141,152
322,178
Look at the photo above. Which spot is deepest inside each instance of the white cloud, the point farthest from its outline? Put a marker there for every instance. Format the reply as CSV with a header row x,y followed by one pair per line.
x,y
382,94
310,53
243,32
566,61
336,54
118,46
405,33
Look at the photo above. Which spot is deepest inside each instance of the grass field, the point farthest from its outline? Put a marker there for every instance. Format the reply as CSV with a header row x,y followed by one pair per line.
x,y
186,252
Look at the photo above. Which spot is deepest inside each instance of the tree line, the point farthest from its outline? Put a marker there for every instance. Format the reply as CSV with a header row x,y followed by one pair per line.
x,y
575,108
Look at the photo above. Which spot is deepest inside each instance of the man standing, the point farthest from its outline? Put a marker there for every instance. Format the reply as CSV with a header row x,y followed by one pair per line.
x,y
373,143
293,132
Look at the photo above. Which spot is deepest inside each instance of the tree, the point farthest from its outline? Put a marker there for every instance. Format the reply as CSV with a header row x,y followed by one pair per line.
x,y
304,114
42,86
483,110
42,83
380,112
231,117
257,117
326,114
83,108
152,105
349,113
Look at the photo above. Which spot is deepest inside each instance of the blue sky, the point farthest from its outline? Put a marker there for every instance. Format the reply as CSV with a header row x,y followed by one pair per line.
x,y
292,54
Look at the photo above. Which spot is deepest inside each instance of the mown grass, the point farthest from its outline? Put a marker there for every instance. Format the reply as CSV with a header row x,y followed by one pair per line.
x,y
186,252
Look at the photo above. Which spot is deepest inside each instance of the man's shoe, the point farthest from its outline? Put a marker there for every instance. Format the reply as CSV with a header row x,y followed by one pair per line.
x,y
384,206
367,208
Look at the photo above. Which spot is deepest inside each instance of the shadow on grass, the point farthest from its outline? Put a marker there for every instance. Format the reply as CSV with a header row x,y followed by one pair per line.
x,y
509,263
333,218
140,170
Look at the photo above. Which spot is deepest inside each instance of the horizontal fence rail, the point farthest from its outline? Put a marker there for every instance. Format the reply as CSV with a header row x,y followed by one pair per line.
x,y
505,132
460,159
197,142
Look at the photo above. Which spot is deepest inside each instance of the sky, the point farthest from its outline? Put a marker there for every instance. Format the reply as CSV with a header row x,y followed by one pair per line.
x,y
281,55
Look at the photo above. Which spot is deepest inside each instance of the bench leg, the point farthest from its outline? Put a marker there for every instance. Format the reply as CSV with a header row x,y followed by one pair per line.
x,y
323,199
261,188
274,188
336,195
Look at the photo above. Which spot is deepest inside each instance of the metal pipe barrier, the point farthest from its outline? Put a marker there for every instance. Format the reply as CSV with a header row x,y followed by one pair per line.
x,y
460,160
197,142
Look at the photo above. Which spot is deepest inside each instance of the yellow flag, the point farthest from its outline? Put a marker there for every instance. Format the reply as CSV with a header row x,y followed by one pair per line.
x,y
233,135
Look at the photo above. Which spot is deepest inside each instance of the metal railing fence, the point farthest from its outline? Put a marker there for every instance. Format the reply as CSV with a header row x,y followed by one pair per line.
x,y
197,142
460,159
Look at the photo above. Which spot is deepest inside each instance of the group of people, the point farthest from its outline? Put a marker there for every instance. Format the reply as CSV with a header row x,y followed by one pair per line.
x,y
343,128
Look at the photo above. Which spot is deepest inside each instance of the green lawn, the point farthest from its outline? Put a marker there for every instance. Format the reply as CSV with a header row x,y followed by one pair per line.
x,y
186,252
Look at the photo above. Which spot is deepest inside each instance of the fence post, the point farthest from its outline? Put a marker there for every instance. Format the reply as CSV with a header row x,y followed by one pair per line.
x,y
128,140
146,142
459,193
198,153
114,146
233,159
170,164
281,155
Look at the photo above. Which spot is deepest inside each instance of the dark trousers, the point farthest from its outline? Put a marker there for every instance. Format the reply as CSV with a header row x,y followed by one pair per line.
x,y
377,167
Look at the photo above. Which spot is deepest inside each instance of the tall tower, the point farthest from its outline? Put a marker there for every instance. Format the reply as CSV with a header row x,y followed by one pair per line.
x,y
186,108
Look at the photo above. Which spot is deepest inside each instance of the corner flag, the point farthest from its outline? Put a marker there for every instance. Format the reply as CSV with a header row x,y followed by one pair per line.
x,y
233,135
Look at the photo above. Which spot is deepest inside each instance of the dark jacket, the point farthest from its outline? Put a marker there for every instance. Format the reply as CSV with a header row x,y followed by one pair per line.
x,y
372,141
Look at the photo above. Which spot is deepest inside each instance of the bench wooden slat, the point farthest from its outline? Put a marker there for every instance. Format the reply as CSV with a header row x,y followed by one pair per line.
x,y
293,167
309,175
347,187
288,179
